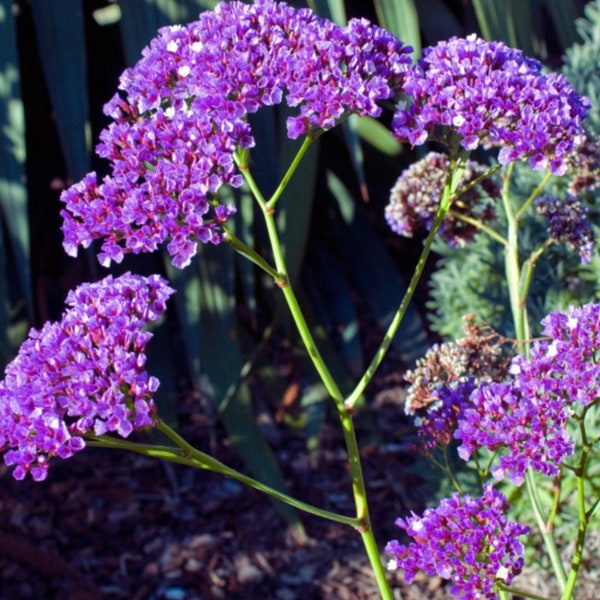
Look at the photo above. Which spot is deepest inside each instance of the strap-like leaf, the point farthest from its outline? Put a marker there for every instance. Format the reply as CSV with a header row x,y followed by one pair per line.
x,y
15,272
372,269
141,19
60,34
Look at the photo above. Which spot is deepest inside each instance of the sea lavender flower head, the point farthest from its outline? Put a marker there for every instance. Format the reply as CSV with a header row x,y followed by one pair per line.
x,y
85,373
524,419
437,423
416,195
182,111
466,540
568,223
492,95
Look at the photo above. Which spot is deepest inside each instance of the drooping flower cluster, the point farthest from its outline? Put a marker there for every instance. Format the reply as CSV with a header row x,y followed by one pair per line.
x,y
568,223
83,374
524,418
416,195
183,113
492,95
466,540
442,381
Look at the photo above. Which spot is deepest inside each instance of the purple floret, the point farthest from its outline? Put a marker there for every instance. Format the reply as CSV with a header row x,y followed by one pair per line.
x,y
522,420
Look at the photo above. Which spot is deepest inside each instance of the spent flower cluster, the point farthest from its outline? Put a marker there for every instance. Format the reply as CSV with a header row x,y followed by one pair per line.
x,y
183,112
584,166
466,540
415,197
442,381
85,373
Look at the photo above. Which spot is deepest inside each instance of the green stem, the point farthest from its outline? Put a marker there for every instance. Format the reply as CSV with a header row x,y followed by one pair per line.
x,y
481,226
288,174
454,174
185,454
512,266
478,180
352,449
536,192
355,467
524,594
448,472
547,537
518,287
583,515
580,541
250,254
243,167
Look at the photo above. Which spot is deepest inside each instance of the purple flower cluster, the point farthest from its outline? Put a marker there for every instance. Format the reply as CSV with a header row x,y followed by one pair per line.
x,y
524,419
183,113
568,223
466,540
524,423
416,196
492,95
83,374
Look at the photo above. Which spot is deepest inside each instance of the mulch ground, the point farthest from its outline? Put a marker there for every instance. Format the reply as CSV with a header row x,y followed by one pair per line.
x,y
117,526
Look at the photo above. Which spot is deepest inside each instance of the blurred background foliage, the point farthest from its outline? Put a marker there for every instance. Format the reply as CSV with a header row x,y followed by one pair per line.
x,y
59,63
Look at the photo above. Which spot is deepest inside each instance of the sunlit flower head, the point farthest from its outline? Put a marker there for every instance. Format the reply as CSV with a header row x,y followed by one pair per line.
x,y
491,95
182,113
85,373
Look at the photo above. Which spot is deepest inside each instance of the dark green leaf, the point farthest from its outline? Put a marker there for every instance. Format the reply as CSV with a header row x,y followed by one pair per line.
x,y
141,19
372,269
60,36
16,298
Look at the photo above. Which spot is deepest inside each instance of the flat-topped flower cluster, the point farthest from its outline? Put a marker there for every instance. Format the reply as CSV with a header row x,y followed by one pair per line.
x,y
466,540
182,114
492,95
83,374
